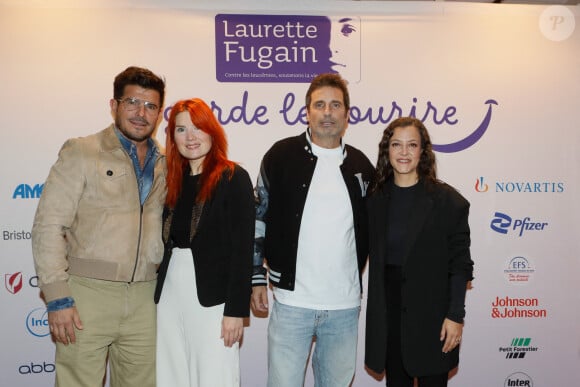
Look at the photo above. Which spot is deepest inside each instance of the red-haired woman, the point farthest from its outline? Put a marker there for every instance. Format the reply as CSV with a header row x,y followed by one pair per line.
x,y
204,281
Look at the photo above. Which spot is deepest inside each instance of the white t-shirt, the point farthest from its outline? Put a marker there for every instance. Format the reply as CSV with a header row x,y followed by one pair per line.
x,y
326,266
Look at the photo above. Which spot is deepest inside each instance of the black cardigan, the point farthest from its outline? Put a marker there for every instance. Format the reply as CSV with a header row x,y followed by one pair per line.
x,y
222,246
437,248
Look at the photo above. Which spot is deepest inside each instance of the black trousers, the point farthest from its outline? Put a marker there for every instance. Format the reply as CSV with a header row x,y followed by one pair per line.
x,y
397,376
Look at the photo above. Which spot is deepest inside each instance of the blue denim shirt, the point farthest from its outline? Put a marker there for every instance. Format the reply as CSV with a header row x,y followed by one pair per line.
x,y
145,175
144,181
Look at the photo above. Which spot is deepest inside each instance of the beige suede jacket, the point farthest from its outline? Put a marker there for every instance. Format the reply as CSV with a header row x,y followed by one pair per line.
x,y
89,221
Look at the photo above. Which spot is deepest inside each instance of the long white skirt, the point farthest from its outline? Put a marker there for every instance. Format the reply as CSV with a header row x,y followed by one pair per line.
x,y
190,351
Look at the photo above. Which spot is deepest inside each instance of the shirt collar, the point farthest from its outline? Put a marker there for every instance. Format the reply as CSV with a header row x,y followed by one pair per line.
x,y
309,140
130,147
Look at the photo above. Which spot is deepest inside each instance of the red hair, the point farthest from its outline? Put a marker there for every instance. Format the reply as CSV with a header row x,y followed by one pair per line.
x,y
214,163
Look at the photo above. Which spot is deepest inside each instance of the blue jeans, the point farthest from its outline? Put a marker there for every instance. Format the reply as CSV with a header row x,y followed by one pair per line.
x,y
290,335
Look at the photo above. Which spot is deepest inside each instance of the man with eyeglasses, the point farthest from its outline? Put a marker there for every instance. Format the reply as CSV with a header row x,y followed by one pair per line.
x,y
96,241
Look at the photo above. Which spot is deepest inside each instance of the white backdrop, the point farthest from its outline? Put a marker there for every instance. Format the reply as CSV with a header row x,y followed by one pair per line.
x,y
501,82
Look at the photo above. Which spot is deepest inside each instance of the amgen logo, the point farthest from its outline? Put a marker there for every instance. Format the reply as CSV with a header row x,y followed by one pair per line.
x,y
26,191
502,223
37,322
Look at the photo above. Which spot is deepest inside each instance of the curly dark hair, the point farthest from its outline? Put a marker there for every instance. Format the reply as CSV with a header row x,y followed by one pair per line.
x,y
425,169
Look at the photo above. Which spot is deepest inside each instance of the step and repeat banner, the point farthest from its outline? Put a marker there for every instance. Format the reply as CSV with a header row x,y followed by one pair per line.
x,y
498,86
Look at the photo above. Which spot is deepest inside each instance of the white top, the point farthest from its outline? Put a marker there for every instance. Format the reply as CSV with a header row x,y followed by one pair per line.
x,y
326,266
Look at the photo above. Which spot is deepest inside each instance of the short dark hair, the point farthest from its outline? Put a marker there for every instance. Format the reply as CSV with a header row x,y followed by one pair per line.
x,y
141,77
331,80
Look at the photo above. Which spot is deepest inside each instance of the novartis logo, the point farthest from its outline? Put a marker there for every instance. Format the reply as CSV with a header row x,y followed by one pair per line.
x,y
519,186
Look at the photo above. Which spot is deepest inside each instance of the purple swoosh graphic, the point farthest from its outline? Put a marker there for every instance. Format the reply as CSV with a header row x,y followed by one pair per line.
x,y
472,138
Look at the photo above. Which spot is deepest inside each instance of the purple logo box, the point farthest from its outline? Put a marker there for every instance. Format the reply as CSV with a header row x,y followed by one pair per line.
x,y
271,48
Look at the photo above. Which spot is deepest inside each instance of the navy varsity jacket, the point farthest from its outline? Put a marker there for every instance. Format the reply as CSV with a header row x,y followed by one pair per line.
x,y
285,175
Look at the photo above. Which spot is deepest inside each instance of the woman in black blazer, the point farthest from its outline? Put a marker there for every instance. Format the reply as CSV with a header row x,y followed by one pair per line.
x,y
419,262
204,281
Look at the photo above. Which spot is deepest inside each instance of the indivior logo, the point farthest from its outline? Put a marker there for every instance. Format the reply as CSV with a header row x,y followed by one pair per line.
x,y
504,224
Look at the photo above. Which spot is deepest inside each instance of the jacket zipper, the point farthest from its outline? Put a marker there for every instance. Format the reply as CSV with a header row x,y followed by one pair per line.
x,y
141,220
138,242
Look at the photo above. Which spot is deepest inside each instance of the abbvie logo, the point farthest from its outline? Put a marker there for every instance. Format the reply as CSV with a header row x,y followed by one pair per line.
x,y
502,223
13,282
36,368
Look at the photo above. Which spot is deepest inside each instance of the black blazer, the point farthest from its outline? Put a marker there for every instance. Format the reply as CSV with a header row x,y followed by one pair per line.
x,y
438,241
222,246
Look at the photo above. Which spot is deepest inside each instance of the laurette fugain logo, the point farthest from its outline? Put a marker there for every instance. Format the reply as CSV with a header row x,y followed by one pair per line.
x,y
286,48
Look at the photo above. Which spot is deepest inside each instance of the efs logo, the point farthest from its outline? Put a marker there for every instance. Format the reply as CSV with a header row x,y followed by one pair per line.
x,y
13,282
37,322
519,270
34,368
502,223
